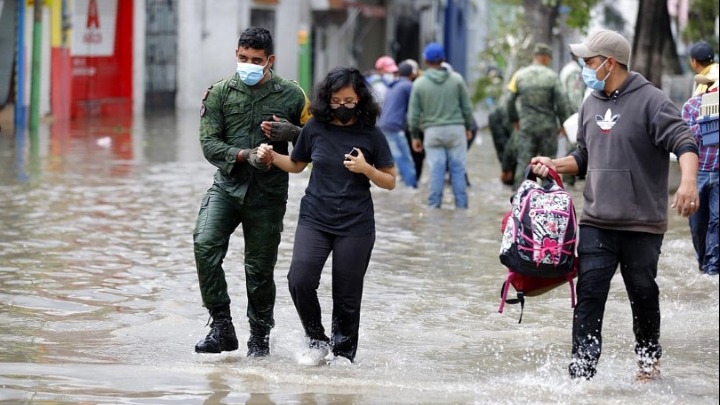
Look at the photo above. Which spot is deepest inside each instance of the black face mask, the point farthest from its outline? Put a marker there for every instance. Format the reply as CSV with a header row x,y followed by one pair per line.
x,y
344,114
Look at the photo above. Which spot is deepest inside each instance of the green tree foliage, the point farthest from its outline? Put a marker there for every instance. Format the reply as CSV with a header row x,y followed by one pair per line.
x,y
509,42
508,47
579,12
701,22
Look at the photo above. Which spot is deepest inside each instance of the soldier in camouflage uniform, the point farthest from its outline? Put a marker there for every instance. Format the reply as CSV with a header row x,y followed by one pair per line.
x,y
572,82
239,113
544,105
574,86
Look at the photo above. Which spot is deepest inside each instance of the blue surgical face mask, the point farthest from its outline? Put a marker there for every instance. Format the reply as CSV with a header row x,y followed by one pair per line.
x,y
590,76
250,73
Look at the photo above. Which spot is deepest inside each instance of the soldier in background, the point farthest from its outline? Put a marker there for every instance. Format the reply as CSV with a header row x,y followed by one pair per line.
x,y
572,82
544,106
574,86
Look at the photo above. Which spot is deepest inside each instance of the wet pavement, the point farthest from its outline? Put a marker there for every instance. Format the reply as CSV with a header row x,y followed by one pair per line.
x,y
99,300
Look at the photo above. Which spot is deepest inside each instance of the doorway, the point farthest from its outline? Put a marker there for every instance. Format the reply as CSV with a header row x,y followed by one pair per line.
x,y
160,55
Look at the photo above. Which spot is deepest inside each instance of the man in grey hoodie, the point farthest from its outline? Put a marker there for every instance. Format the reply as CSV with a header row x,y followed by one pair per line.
x,y
440,106
626,129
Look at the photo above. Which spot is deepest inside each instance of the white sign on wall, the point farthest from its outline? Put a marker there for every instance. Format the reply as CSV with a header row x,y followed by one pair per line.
x,y
93,27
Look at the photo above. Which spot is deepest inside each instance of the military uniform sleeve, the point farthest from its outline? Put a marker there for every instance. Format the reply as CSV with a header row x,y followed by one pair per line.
x,y
563,109
212,137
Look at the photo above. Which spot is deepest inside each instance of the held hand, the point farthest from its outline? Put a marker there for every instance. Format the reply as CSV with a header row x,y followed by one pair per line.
x,y
686,200
262,164
417,145
265,152
279,130
540,165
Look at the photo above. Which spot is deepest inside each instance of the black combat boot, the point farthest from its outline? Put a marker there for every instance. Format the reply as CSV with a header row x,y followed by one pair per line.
x,y
222,333
259,342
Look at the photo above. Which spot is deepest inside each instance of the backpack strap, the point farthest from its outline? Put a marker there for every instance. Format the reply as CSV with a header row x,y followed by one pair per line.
x,y
504,292
552,174
570,278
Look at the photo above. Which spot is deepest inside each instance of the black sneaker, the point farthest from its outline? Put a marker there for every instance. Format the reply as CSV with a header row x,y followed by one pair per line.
x,y
581,370
259,343
220,339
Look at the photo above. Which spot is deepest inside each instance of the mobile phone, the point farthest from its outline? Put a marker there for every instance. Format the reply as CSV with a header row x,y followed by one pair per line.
x,y
353,152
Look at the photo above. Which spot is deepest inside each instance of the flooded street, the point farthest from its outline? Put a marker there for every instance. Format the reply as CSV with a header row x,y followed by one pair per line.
x,y
99,299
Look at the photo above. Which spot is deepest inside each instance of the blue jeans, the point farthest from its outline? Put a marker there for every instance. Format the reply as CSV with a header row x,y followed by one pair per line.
x,y
704,223
446,150
600,251
403,158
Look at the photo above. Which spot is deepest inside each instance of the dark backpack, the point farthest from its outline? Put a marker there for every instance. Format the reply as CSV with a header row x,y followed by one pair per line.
x,y
539,239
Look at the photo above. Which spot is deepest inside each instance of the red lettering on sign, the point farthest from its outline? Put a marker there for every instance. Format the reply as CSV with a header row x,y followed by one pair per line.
x,y
92,37
93,17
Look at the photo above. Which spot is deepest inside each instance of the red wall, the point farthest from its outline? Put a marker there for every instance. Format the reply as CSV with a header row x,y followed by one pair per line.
x,y
102,85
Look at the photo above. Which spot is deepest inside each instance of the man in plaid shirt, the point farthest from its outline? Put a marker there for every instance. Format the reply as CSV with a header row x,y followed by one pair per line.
x,y
704,222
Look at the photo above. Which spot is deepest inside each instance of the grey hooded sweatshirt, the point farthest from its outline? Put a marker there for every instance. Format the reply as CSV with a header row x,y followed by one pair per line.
x,y
624,141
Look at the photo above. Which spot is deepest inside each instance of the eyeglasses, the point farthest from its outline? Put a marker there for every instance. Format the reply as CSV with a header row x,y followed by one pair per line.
x,y
347,104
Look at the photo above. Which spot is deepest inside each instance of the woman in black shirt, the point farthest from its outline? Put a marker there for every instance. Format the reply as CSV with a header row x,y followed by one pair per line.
x,y
348,152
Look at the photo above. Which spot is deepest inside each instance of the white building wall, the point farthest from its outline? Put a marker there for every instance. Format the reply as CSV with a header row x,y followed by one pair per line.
x,y
207,38
287,25
208,31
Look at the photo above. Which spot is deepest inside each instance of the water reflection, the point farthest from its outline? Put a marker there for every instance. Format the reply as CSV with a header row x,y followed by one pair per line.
x,y
99,300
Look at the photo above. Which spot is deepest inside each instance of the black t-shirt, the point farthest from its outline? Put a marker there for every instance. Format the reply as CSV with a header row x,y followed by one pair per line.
x,y
337,200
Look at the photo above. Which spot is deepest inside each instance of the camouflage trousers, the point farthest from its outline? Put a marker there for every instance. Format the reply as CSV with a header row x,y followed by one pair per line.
x,y
219,216
528,144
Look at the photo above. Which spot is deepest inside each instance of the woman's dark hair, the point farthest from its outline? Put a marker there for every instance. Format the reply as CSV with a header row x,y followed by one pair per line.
x,y
257,38
367,108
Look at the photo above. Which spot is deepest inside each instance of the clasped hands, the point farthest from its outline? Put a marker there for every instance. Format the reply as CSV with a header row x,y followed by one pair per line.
x,y
265,154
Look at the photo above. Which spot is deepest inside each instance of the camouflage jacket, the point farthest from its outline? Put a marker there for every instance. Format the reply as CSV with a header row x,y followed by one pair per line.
x,y
541,99
230,120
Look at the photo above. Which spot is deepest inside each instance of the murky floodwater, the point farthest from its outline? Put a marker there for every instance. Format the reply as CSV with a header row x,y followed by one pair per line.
x,y
99,300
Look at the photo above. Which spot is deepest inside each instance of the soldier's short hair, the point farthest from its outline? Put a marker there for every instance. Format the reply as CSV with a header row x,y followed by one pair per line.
x,y
257,38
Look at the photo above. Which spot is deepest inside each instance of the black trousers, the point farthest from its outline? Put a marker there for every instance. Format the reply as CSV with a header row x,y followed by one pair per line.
x,y
600,251
350,259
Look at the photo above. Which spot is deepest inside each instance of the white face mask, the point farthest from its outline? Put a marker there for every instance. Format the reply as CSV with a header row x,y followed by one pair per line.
x,y
388,77
250,73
